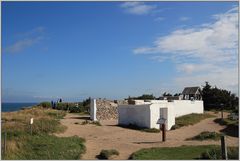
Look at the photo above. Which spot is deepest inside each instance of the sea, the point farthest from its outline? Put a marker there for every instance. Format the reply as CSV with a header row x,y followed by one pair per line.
x,y
9,107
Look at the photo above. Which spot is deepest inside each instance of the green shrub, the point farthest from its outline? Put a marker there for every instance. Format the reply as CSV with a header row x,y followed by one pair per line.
x,y
215,153
85,122
107,154
97,123
206,135
46,104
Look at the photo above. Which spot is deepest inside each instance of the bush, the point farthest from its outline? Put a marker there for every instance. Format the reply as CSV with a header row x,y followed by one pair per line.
x,y
91,122
107,154
96,123
206,135
45,104
215,153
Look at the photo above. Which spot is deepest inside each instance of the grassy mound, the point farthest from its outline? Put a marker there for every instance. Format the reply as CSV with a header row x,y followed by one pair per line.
x,y
206,135
41,144
190,119
173,153
107,154
45,147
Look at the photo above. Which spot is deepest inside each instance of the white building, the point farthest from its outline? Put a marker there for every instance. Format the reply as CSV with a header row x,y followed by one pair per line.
x,y
146,114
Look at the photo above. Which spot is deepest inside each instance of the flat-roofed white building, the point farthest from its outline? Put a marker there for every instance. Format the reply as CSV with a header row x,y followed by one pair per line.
x,y
146,114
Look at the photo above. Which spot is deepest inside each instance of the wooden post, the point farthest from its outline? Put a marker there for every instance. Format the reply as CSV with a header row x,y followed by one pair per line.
x,y
224,148
5,143
163,132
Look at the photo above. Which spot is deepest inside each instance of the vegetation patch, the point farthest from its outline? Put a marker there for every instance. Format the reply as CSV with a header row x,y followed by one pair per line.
x,y
107,154
180,153
226,121
41,144
215,153
206,135
97,123
231,126
45,147
135,127
189,119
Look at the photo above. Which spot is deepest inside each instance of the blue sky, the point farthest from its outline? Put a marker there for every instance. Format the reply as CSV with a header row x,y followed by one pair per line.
x,y
74,50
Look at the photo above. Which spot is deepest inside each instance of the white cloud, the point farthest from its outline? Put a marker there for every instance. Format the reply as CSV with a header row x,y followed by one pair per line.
x,y
138,8
27,39
206,52
184,18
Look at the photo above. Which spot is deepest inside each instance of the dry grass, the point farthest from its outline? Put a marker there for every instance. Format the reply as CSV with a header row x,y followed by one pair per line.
x,y
17,124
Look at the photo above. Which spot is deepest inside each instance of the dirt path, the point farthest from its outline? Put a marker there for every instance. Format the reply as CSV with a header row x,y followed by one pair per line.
x,y
127,141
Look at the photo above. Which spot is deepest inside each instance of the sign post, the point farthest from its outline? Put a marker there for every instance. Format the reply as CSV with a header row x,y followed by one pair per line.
x,y
162,122
31,122
223,148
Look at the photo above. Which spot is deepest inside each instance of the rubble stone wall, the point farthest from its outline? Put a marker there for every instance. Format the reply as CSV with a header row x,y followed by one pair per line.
x,y
107,109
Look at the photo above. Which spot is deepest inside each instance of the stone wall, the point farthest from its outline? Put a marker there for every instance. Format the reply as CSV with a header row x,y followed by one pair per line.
x,y
106,109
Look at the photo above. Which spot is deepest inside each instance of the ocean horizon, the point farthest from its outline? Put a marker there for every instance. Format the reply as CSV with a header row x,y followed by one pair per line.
x,y
15,106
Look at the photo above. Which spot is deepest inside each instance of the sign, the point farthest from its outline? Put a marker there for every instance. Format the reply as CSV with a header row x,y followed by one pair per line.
x,y
161,121
31,121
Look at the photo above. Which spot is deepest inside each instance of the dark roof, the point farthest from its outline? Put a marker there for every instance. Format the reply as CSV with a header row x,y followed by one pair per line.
x,y
190,90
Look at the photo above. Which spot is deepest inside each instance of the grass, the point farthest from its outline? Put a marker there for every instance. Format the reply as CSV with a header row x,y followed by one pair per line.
x,y
215,153
206,135
107,154
46,147
232,126
190,119
226,121
97,123
135,127
173,153
42,144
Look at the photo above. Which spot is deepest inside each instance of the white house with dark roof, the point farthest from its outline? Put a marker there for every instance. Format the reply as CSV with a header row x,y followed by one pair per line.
x,y
190,93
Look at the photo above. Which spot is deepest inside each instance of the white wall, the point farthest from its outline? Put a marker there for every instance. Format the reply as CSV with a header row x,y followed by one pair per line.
x,y
146,115
155,115
93,110
184,107
134,114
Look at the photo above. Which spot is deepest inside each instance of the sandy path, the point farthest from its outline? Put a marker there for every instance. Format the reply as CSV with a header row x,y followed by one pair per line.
x,y
127,141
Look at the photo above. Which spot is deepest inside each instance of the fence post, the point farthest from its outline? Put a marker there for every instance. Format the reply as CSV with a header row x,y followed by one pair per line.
x,y
224,148
163,132
5,144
